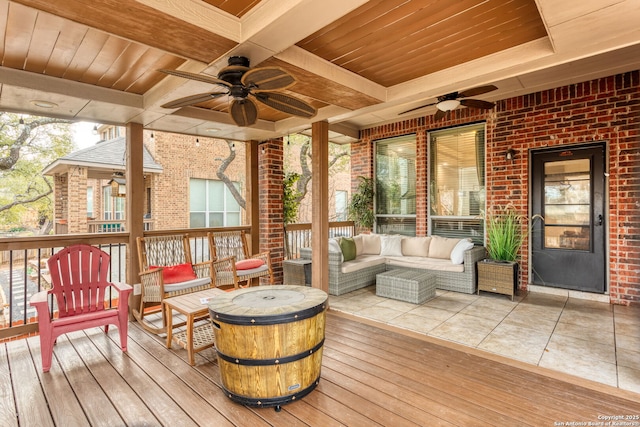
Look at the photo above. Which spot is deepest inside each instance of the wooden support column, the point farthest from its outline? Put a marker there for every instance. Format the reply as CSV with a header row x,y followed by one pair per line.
x,y
320,205
135,201
253,194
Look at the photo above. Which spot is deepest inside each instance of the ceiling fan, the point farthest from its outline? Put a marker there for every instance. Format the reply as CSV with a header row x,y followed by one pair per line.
x,y
240,82
452,100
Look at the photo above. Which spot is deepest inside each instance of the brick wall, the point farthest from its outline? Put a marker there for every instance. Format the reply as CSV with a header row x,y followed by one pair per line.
x,y
606,109
77,200
182,159
270,178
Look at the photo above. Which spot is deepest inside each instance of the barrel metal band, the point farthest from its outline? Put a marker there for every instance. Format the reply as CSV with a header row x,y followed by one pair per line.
x,y
271,401
268,320
270,362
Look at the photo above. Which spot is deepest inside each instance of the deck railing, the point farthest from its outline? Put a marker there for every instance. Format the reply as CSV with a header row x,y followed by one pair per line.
x,y
299,235
115,226
23,268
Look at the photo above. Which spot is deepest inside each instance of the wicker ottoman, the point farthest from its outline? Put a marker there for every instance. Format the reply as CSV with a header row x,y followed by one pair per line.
x,y
406,285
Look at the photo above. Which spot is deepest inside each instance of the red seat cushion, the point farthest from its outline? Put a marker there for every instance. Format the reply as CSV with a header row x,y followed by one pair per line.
x,y
176,273
248,264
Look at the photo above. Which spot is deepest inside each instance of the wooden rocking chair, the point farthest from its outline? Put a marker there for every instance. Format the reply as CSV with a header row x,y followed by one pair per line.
x,y
79,279
229,251
166,270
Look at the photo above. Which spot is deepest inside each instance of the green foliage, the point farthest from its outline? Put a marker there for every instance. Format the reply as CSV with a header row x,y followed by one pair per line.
x,y
505,234
291,198
361,203
25,150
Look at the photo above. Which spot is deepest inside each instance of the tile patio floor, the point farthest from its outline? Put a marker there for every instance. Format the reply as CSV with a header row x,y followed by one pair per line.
x,y
588,339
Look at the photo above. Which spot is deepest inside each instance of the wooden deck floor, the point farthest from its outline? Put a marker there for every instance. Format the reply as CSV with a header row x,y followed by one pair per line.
x,y
370,376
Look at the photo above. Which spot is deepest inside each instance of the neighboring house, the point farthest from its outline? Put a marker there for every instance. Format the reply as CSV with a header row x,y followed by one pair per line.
x,y
182,188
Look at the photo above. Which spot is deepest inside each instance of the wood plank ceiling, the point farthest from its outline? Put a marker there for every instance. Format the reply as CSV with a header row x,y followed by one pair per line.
x,y
351,58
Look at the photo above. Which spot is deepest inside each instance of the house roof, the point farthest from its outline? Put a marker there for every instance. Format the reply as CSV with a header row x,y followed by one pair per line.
x,y
102,160
360,63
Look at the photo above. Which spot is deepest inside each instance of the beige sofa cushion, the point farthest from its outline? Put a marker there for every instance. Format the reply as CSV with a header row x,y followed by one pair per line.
x,y
425,263
361,262
370,244
441,247
359,244
416,246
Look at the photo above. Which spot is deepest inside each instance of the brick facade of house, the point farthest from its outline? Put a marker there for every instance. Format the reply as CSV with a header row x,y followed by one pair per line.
x,y
606,109
183,158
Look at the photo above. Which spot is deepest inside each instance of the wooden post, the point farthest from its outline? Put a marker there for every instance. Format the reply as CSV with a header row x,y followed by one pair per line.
x,y
135,202
320,205
253,194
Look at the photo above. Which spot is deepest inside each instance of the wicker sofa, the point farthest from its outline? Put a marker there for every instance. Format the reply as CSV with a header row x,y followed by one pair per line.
x,y
432,253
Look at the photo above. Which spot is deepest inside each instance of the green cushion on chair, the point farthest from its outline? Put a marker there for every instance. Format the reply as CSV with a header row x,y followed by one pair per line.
x,y
348,247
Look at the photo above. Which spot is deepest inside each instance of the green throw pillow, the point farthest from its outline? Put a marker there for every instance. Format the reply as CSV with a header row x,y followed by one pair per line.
x,y
348,247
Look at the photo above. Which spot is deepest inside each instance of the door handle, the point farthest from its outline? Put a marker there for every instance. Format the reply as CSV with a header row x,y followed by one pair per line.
x,y
600,220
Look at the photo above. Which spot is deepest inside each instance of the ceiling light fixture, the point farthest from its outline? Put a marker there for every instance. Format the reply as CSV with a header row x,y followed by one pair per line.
x,y
448,104
43,104
213,130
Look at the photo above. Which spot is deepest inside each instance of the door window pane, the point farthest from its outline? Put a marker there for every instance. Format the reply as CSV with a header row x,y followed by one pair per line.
x,y
567,204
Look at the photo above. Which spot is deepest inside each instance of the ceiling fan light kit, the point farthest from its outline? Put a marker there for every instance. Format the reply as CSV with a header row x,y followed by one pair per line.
x,y
243,84
448,104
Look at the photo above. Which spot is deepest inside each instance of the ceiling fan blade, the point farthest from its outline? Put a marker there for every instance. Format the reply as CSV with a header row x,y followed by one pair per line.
x,y
244,112
418,108
198,77
193,99
477,103
439,115
286,104
477,91
268,78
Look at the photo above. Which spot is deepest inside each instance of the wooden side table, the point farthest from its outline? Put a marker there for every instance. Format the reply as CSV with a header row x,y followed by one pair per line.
x,y
193,306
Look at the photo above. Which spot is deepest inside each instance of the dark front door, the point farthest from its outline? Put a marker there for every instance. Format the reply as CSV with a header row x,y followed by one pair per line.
x,y
568,192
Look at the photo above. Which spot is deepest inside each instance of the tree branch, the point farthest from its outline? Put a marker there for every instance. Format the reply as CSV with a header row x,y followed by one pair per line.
x,y
21,201
220,173
305,177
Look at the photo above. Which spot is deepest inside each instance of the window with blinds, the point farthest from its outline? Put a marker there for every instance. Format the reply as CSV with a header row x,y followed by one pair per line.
x,y
395,168
211,204
456,182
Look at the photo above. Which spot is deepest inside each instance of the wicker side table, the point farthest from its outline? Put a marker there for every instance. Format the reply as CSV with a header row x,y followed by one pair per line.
x,y
406,285
497,277
294,272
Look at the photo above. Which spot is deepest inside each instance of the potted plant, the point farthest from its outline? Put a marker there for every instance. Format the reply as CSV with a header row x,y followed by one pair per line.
x,y
505,234
361,204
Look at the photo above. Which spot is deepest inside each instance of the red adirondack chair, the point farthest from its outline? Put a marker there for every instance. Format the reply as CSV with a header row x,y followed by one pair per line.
x,y
79,279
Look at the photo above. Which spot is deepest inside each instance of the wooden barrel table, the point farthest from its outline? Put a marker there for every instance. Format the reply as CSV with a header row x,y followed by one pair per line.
x,y
269,342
